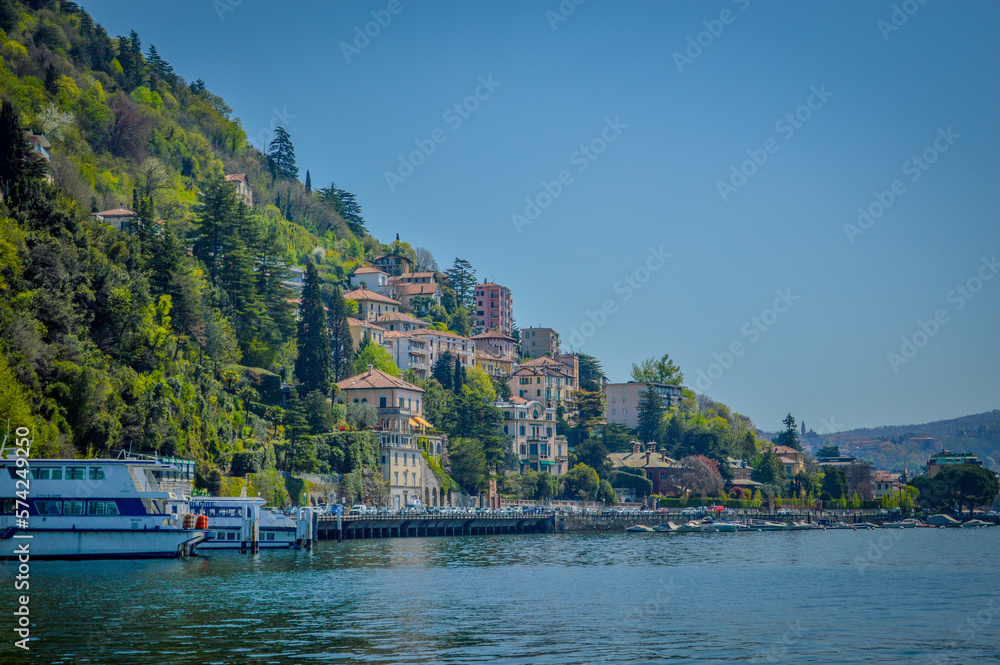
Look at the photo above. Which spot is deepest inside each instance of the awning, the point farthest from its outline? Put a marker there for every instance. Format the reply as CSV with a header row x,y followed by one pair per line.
x,y
414,423
422,421
546,462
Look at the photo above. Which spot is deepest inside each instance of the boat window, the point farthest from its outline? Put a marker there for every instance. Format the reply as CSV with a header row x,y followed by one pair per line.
x,y
75,472
270,536
73,507
102,508
96,473
7,506
46,473
48,507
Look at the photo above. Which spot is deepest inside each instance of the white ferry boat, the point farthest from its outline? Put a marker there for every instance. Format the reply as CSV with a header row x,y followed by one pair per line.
x,y
96,508
236,522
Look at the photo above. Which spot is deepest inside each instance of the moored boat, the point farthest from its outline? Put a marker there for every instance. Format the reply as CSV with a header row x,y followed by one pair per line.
x,y
239,522
96,508
640,528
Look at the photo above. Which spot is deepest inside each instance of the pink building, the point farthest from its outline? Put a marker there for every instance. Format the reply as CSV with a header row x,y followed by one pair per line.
x,y
494,308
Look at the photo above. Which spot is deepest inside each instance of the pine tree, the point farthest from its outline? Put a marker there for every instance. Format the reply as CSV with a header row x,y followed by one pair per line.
x,y
313,363
309,182
444,370
790,437
651,410
341,343
281,154
463,279
16,162
215,212
347,207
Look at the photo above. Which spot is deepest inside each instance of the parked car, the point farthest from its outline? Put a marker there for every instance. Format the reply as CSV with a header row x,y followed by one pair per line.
x,y
359,509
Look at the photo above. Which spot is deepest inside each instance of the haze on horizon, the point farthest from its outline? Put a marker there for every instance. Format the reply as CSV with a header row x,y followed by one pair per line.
x,y
812,182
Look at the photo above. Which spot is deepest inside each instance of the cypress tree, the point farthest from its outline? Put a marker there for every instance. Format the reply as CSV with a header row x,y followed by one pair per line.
x,y
313,363
341,344
309,182
458,382
444,370
650,412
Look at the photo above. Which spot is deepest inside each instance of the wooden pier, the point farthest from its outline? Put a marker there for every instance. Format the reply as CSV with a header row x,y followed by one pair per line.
x,y
352,527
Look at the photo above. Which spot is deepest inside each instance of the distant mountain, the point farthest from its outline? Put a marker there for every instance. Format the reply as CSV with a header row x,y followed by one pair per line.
x,y
891,446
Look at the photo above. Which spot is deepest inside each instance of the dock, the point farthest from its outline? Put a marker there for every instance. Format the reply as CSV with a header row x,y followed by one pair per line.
x,y
353,527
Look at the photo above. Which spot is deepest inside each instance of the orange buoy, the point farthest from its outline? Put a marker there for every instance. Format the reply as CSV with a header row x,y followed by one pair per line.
x,y
202,522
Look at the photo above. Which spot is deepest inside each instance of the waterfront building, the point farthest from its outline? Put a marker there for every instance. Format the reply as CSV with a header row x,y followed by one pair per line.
x,y
885,483
622,400
532,428
793,460
947,458
537,342
494,308
656,465
399,426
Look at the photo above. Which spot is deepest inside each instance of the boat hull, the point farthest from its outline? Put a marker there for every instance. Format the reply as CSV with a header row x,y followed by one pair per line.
x,y
101,543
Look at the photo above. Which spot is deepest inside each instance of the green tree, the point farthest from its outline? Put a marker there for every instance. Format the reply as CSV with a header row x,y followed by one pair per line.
x,y
591,372
216,213
346,205
593,454
606,494
444,370
651,410
309,182
834,483
313,365
374,355
459,379
588,410
463,280
341,342
828,451
469,467
769,470
16,162
790,437
966,485
281,155
663,370
580,482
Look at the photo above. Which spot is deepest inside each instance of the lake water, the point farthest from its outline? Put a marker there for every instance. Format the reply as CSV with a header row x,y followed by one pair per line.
x,y
913,596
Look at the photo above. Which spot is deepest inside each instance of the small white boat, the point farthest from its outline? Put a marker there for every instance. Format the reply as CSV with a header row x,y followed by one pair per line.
x,y
801,526
237,522
975,524
640,528
694,526
709,524
902,524
768,526
666,527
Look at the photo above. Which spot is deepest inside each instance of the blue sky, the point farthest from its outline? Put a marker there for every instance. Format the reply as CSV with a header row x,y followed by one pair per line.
x,y
643,109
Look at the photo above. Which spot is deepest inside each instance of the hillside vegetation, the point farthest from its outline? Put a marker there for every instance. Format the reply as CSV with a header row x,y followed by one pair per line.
x,y
174,338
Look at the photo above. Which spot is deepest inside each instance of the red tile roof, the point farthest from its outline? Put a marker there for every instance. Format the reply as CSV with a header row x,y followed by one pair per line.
x,y
364,324
375,378
365,270
236,177
115,212
365,294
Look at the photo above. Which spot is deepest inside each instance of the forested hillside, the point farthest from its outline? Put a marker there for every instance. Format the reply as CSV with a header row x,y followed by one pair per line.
x,y
173,338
